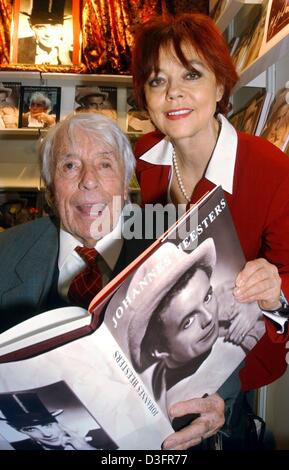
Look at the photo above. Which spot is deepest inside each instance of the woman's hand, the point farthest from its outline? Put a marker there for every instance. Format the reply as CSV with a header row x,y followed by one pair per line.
x,y
259,281
212,417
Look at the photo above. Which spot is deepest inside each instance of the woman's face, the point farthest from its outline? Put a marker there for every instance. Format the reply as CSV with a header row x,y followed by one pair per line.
x,y
182,102
190,323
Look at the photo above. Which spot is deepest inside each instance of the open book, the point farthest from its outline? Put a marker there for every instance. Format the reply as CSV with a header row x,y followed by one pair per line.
x,y
167,336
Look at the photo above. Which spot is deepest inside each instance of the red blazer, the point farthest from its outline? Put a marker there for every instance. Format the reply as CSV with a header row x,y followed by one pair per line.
x,y
260,209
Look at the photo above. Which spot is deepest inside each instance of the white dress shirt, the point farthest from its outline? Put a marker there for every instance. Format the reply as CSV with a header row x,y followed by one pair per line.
x,y
70,263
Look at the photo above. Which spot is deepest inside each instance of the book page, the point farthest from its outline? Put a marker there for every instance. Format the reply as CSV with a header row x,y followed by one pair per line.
x,y
93,384
44,326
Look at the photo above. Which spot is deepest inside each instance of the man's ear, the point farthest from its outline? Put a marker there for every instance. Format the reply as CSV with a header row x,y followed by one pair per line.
x,y
126,191
159,355
219,92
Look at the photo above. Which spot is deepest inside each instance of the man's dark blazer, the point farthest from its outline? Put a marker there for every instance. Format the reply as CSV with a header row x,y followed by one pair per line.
x,y
29,270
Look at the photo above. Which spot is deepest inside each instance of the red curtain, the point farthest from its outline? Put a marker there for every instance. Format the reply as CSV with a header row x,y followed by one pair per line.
x,y
107,32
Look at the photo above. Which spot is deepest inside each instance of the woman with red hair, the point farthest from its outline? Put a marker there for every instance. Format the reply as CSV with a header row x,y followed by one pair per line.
x,y
183,76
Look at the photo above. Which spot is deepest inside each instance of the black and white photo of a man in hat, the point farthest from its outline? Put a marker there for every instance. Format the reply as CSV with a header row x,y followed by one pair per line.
x,y
174,335
48,41
25,413
8,112
96,99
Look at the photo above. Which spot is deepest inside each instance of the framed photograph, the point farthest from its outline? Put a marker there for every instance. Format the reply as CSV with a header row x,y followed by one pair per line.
x,y
237,119
277,23
39,106
137,121
45,32
18,207
252,113
98,99
9,104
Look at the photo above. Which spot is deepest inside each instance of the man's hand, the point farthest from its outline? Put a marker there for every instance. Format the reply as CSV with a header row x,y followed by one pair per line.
x,y
259,281
212,417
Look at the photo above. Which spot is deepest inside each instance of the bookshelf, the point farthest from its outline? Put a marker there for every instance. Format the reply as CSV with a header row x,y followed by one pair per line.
x,y
19,146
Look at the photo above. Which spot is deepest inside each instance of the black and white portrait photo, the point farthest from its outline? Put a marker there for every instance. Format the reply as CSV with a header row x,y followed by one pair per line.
x,y
96,99
176,318
44,34
39,106
49,418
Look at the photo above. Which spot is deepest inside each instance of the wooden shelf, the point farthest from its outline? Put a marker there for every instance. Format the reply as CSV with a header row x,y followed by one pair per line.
x,y
125,80
33,132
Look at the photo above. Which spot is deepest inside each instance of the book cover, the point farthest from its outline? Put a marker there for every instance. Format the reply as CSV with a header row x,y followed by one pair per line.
x,y
137,121
98,99
253,111
9,104
276,128
170,320
45,32
39,106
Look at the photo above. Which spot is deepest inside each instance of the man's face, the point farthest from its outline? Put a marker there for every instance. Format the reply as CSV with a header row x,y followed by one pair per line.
x,y
89,188
93,102
37,107
191,321
49,434
48,35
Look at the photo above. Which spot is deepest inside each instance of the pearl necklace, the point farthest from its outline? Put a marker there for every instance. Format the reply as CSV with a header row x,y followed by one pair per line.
x,y
179,178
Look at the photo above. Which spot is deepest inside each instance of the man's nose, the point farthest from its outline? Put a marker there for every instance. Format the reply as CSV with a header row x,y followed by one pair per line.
x,y
46,431
88,179
206,317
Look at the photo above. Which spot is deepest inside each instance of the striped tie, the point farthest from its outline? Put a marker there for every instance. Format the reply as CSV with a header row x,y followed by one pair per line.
x,y
88,282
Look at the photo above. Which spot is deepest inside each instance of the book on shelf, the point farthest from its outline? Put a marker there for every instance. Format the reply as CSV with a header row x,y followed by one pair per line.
x,y
168,323
251,117
237,119
39,106
45,33
266,100
99,99
233,44
218,9
19,206
256,34
276,128
9,104
137,120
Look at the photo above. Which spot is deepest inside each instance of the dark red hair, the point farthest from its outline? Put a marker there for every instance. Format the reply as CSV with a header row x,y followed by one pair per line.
x,y
195,29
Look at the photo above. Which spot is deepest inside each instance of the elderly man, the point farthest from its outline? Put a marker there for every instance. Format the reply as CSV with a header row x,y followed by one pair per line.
x,y
87,163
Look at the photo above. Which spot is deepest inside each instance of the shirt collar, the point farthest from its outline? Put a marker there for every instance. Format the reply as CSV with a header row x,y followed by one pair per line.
x,y
220,170
109,247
